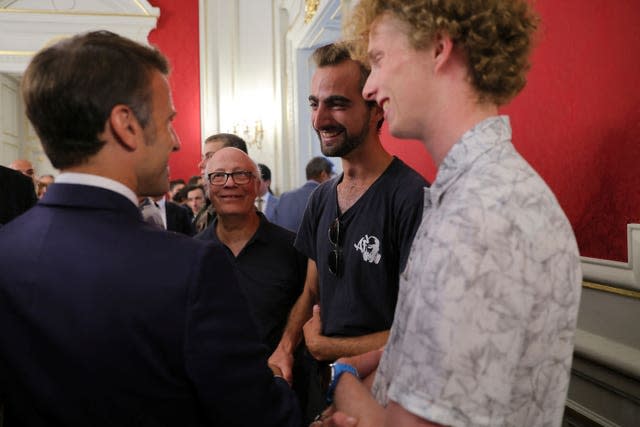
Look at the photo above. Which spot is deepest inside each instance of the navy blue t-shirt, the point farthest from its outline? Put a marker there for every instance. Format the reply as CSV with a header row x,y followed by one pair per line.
x,y
377,232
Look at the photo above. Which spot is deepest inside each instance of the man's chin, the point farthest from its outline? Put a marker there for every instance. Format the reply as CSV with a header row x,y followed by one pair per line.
x,y
157,191
332,150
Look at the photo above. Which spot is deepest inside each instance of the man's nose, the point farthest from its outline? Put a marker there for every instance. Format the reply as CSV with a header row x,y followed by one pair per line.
x,y
321,117
369,91
176,140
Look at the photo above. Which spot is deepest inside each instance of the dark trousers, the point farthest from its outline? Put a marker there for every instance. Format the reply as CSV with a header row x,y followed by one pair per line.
x,y
307,384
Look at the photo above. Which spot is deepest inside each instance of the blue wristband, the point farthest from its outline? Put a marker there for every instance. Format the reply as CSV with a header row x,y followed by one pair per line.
x,y
337,369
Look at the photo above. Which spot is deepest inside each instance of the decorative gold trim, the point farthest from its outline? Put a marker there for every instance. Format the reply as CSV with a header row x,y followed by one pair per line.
x,y
57,12
16,53
310,9
612,289
144,11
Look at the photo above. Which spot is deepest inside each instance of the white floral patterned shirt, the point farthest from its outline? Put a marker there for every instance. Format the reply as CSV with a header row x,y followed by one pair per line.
x,y
486,314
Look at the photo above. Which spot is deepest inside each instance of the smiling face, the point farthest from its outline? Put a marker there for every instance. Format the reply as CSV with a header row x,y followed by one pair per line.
x,y
339,114
231,198
401,79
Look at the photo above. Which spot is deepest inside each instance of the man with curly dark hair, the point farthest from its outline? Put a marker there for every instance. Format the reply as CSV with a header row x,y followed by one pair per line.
x,y
487,307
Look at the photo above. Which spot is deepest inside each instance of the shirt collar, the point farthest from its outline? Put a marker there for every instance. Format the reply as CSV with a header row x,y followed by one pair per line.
x,y
258,235
97,181
476,141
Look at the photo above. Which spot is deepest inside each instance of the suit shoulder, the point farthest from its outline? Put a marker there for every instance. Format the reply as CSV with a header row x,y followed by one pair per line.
x,y
190,246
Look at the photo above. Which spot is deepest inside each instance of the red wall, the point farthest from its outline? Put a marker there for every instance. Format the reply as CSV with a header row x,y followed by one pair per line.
x,y
578,120
176,35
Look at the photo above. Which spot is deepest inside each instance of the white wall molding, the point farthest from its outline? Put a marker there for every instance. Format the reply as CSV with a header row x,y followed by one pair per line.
x,y
608,314
301,39
607,342
265,74
622,274
237,71
27,26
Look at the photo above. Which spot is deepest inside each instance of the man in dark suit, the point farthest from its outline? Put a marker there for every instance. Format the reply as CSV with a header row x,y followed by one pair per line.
x,y
17,194
290,208
178,218
266,201
94,330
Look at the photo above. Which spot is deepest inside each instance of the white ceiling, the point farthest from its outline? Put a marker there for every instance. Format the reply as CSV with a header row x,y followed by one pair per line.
x,y
132,7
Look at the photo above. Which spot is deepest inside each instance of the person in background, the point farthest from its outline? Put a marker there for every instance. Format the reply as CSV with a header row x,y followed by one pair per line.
x,y
290,208
195,198
25,167
17,194
266,201
175,185
488,303
103,332
43,184
195,180
180,198
166,215
270,270
176,217
212,144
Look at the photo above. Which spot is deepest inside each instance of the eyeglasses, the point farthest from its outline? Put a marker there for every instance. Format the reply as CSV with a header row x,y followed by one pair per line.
x,y
335,260
239,177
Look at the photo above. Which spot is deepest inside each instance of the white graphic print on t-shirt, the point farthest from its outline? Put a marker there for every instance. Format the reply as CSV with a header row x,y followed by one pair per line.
x,y
370,248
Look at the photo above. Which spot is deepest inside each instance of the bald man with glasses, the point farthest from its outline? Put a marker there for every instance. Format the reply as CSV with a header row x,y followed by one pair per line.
x,y
270,270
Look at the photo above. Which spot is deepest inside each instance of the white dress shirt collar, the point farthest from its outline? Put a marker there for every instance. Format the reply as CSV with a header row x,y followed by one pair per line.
x,y
97,181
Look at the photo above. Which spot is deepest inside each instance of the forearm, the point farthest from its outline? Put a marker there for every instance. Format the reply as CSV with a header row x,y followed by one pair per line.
x,y
300,313
331,348
354,399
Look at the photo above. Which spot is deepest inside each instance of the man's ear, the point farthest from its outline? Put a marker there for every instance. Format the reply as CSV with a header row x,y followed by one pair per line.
x,y
442,50
125,126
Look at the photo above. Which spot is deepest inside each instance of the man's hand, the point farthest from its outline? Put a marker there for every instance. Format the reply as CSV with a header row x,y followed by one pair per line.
x,y
283,361
277,372
332,418
313,337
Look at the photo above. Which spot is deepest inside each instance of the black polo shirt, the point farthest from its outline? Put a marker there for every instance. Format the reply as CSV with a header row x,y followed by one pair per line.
x,y
271,272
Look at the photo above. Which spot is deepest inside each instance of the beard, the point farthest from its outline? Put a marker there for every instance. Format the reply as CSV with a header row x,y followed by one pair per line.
x,y
349,141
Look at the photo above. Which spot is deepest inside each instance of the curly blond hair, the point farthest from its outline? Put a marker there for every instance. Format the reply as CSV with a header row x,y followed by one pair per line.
x,y
494,35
